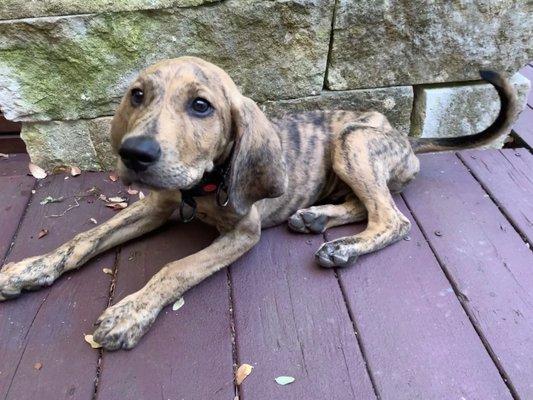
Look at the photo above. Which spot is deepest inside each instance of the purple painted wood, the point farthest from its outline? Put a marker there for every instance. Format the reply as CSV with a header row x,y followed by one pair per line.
x,y
507,175
527,71
47,326
290,319
487,261
15,164
187,354
524,126
15,192
419,342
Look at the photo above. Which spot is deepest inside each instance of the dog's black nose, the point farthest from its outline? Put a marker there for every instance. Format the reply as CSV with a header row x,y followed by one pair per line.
x,y
139,152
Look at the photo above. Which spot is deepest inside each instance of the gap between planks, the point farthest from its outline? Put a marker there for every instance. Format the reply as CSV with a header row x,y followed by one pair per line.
x,y
461,297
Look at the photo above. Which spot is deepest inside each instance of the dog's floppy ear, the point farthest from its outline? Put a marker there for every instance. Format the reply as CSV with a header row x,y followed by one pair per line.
x,y
257,167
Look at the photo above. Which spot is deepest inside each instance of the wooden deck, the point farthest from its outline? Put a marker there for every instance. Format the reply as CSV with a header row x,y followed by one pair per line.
x,y
444,314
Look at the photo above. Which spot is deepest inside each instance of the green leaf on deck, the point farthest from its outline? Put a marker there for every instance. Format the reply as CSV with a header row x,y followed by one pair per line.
x,y
284,380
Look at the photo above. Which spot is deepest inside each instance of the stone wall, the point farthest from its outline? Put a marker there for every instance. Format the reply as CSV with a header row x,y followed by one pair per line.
x,y
64,64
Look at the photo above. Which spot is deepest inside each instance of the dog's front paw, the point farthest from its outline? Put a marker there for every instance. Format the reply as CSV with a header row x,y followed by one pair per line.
x,y
335,254
123,325
28,274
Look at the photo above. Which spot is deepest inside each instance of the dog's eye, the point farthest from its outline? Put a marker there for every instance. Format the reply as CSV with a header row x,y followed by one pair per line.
x,y
201,107
137,97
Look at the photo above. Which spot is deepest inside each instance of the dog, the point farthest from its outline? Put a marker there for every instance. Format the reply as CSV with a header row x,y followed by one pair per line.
x,y
184,130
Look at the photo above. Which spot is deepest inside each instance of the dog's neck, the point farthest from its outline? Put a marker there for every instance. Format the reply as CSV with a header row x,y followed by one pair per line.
x,y
214,181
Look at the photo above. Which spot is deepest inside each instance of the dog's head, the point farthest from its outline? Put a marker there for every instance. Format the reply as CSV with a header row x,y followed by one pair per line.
x,y
182,117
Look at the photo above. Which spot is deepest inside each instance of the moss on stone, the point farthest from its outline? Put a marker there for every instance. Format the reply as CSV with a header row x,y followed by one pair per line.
x,y
75,67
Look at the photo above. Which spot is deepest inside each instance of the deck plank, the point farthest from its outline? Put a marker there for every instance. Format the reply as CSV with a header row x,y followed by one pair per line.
x,y
419,342
15,164
47,326
487,261
524,126
290,319
187,354
527,71
507,175
15,192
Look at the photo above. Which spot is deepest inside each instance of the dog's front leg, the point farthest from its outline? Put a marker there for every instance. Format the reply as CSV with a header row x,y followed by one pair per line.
x,y
123,325
34,272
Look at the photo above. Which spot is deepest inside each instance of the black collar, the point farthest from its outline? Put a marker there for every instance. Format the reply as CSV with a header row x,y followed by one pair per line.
x,y
214,181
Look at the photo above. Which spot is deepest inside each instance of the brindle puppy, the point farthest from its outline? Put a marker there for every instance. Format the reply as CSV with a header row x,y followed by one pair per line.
x,y
182,119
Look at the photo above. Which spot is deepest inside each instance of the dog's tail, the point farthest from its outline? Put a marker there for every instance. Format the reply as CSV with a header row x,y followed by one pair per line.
x,y
509,110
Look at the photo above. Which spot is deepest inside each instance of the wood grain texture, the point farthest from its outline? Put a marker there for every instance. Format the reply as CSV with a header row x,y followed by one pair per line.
x,y
187,354
487,261
419,342
507,175
524,126
290,319
15,164
47,326
15,193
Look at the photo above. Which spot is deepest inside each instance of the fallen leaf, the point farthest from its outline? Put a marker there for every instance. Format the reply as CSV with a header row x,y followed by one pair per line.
x,y
284,380
116,199
93,221
117,206
242,372
107,271
75,171
36,171
4,155
60,169
37,366
113,176
141,195
89,339
42,233
178,304
50,199
132,190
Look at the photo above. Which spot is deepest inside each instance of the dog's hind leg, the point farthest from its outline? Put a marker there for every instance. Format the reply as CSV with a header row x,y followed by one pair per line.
x,y
368,160
317,219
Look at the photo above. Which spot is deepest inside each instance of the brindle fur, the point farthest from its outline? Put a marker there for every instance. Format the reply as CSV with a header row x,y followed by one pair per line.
x,y
317,169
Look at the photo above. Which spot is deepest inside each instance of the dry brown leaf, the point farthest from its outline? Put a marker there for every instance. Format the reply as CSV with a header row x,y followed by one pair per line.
x,y
242,372
116,199
75,171
4,155
36,171
113,176
60,169
107,271
89,339
94,221
117,206
42,233
141,195
37,366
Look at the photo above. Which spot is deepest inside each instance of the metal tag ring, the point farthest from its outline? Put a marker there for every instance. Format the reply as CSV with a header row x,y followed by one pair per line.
x,y
222,189
187,218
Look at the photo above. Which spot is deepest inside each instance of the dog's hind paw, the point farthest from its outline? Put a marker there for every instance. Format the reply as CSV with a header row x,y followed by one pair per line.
x,y
331,255
307,221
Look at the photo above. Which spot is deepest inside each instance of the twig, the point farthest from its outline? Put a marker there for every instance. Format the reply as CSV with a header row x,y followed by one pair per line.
x,y
67,210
